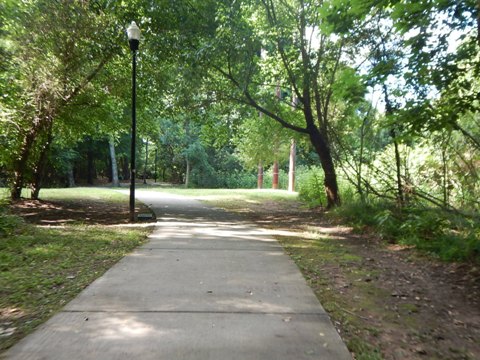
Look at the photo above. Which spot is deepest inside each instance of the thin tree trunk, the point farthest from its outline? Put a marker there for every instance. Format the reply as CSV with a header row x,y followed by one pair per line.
x,y
70,176
40,166
146,164
398,167
398,162
20,164
125,168
187,173
291,168
260,176
156,162
90,165
360,160
111,144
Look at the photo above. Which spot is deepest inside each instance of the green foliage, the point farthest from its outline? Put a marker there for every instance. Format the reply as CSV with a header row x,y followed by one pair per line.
x,y
309,184
449,236
240,180
268,178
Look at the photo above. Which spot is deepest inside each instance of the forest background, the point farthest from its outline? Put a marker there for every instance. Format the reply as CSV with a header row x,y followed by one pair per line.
x,y
381,98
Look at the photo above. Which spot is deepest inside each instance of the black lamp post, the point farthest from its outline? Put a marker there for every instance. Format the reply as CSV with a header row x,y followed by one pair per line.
x,y
133,33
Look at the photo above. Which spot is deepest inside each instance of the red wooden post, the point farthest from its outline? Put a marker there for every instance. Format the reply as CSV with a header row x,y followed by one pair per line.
x,y
275,175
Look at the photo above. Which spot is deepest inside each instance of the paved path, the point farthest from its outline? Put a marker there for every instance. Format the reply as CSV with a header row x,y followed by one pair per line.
x,y
205,287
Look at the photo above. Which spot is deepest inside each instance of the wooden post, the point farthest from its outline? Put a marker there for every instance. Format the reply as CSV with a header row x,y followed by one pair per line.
x,y
291,169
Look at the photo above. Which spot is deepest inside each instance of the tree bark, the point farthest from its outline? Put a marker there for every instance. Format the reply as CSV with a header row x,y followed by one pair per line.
x,y
90,164
187,173
39,168
20,164
70,176
260,176
111,144
291,168
398,162
275,175
146,164
326,160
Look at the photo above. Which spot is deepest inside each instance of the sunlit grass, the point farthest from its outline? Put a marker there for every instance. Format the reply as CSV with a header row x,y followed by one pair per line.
x,y
235,199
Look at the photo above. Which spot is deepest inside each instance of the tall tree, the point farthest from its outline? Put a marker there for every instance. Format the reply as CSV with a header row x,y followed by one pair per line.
x,y
59,48
259,46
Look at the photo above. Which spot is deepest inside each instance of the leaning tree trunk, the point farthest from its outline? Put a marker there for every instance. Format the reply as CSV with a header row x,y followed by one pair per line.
x,y
39,168
398,162
326,160
20,164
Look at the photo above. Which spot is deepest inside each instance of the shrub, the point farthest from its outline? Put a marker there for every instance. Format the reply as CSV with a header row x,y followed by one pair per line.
x,y
240,180
309,184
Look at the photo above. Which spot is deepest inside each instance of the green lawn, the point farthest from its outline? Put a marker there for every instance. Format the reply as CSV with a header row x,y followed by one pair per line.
x,y
233,199
44,267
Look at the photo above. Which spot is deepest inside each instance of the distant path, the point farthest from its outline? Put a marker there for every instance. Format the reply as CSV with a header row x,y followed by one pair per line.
x,y
206,286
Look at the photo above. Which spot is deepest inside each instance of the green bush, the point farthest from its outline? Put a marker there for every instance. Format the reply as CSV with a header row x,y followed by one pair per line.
x,y
282,179
449,237
240,180
309,184
440,233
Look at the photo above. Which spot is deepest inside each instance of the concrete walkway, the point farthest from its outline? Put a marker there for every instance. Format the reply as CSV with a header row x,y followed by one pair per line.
x,y
206,286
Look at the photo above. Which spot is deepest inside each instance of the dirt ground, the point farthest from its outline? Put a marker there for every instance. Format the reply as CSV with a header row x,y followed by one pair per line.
x,y
403,304
88,212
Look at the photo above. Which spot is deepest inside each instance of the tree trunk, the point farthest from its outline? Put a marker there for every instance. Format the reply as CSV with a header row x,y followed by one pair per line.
x,y
398,167
125,168
111,144
146,164
260,176
20,164
326,160
291,168
187,173
70,176
90,165
156,162
398,161
40,166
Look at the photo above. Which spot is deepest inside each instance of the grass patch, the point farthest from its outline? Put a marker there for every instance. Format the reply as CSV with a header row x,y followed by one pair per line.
x,y
318,259
84,194
42,268
236,199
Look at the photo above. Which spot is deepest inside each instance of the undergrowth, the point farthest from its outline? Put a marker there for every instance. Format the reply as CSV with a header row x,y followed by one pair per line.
x,y
448,236
445,234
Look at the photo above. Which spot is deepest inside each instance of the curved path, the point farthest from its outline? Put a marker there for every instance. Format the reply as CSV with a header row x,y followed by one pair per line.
x,y
206,287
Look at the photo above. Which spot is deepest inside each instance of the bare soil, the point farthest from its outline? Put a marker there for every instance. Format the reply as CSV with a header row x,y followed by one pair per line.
x,y
61,212
402,304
